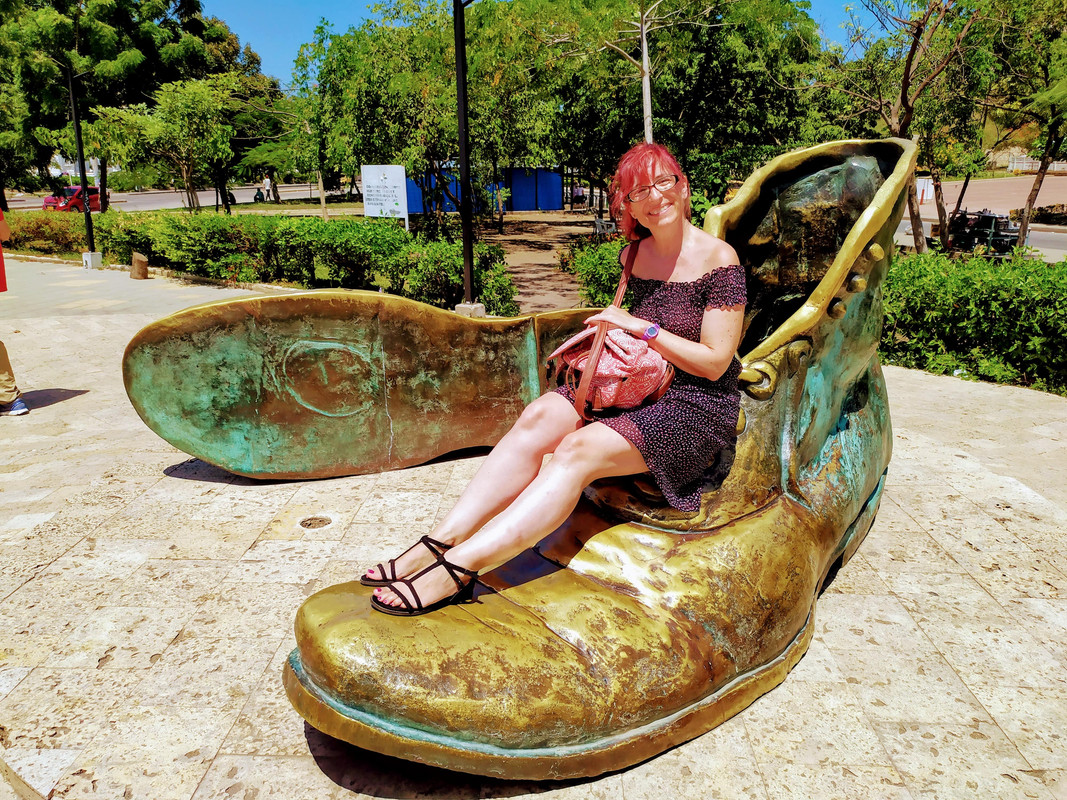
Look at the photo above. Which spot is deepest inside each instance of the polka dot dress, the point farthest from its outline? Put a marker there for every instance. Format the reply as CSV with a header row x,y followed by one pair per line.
x,y
680,433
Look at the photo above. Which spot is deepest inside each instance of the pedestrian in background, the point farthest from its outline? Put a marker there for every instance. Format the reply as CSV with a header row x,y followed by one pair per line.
x,y
11,402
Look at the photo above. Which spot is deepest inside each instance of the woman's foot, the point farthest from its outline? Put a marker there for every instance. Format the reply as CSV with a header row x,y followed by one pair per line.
x,y
419,556
438,585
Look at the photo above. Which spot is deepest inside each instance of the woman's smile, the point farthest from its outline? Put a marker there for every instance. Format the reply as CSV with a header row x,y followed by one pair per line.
x,y
658,209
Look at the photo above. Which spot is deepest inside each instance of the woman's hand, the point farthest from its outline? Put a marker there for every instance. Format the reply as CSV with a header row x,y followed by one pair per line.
x,y
616,317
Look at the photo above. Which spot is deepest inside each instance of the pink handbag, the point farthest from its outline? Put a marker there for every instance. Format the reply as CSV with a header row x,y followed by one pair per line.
x,y
625,371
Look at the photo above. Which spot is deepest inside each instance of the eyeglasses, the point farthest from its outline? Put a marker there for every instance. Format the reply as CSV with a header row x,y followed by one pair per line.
x,y
663,184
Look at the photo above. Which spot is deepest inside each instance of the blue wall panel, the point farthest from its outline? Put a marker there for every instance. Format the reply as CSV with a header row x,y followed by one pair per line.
x,y
531,190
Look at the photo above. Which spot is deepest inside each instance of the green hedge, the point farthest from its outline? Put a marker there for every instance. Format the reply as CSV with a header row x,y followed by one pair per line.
x,y
596,266
997,320
433,273
352,253
46,232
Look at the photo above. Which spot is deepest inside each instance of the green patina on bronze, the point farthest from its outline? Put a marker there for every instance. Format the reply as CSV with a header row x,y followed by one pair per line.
x,y
330,383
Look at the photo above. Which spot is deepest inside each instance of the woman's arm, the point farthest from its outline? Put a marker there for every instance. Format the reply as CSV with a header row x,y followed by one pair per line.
x,y
720,334
5,231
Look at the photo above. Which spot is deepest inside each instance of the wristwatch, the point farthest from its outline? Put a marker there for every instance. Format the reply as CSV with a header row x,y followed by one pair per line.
x,y
651,332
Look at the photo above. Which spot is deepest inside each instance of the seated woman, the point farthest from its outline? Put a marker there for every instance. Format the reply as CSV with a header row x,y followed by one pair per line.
x,y
688,298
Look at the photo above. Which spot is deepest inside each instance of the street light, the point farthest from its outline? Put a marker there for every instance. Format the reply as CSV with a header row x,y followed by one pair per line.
x,y
466,207
81,161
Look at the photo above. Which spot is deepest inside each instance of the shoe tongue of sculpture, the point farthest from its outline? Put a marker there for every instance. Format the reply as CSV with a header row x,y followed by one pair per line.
x,y
799,236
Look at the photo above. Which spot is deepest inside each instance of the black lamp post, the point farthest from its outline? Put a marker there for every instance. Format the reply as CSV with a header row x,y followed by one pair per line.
x,y
80,154
466,207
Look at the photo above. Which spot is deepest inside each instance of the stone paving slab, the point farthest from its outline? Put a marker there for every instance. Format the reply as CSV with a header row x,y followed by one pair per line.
x,y
146,600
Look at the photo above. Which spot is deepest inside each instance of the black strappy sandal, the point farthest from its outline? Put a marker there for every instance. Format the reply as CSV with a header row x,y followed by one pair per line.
x,y
434,546
414,607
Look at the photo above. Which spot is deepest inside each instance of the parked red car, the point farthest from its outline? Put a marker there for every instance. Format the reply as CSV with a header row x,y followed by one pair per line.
x,y
71,200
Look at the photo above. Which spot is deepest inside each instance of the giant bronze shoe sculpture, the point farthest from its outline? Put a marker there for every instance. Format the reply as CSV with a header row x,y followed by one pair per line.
x,y
613,641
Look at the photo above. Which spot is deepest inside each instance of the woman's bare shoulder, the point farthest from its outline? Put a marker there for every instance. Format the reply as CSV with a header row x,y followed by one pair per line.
x,y
713,252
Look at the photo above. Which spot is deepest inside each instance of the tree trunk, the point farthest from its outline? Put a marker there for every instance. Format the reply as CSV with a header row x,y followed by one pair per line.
x,y
917,231
105,204
939,201
322,196
499,197
274,186
1052,146
646,77
220,187
959,200
191,199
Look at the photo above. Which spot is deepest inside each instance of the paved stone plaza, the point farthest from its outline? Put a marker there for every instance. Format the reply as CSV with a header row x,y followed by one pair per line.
x,y
147,599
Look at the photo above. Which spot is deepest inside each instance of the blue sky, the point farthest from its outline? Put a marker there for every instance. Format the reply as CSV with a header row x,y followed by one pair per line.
x,y
277,28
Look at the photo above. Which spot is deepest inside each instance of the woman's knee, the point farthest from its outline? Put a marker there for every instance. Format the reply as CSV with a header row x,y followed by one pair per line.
x,y
548,415
578,452
597,451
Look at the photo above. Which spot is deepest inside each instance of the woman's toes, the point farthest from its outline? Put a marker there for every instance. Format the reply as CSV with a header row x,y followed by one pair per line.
x,y
386,596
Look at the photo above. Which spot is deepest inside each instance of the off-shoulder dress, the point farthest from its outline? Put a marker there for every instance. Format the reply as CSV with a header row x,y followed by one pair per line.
x,y
680,433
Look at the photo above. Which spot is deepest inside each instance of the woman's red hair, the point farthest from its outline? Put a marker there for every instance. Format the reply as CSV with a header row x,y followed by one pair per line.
x,y
641,165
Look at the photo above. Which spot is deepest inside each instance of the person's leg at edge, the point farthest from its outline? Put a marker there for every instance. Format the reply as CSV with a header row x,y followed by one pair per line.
x,y
9,392
506,471
595,451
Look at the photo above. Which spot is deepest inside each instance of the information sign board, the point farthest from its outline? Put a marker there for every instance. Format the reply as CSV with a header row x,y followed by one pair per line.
x,y
385,191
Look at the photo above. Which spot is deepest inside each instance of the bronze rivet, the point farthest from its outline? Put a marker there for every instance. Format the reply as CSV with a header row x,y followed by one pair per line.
x,y
836,309
855,283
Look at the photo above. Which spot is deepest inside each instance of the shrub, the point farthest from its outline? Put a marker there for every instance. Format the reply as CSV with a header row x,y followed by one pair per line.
x,y
47,232
288,249
999,320
119,235
212,245
353,253
493,284
432,272
596,266
699,204
356,253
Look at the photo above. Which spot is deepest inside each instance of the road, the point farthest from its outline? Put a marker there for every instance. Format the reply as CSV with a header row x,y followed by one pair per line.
x,y
1050,243
156,200
153,201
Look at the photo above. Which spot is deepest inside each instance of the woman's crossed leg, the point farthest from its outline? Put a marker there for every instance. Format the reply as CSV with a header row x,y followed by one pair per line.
x,y
513,502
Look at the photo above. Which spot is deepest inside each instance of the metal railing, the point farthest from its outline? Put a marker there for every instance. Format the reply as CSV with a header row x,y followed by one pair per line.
x,y
1024,164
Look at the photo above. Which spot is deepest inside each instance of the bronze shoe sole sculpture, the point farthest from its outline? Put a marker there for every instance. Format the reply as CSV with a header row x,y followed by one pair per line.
x,y
612,642
335,382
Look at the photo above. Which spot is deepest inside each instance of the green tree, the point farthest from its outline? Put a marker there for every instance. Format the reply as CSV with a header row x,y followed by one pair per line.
x,y
113,53
20,150
949,127
891,65
1032,52
187,129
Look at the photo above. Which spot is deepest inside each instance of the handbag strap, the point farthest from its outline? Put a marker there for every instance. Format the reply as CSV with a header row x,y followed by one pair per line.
x,y
585,384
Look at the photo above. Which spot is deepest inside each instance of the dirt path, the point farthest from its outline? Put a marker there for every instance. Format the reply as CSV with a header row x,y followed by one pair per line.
x,y
532,241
